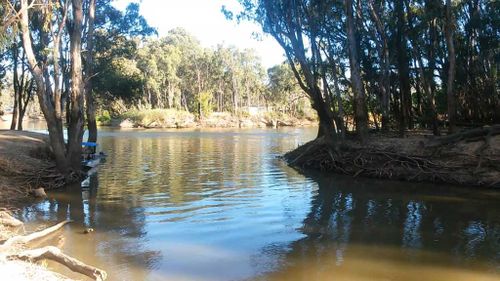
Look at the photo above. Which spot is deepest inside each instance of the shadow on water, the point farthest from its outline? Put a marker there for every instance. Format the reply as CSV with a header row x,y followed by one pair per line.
x,y
363,229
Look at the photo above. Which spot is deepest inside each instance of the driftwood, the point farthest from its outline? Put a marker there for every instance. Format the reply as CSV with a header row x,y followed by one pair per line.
x,y
7,220
24,239
49,252
53,253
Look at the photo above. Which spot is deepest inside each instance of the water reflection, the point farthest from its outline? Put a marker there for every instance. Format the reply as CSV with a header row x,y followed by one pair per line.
x,y
219,205
375,230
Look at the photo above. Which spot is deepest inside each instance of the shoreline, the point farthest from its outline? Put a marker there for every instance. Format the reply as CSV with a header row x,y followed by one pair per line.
x,y
171,118
471,161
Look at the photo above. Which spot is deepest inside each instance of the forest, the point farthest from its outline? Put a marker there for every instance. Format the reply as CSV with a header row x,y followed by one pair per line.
x,y
390,64
135,69
364,65
404,90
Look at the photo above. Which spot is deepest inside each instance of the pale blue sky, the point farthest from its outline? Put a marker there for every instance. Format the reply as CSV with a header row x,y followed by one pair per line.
x,y
204,19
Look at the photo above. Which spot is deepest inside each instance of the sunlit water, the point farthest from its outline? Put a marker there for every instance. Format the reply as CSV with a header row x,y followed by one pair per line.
x,y
221,205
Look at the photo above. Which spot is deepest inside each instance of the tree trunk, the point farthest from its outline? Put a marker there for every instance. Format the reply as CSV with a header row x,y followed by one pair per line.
x,y
449,27
338,98
385,61
54,125
403,69
361,116
15,83
75,126
89,72
433,48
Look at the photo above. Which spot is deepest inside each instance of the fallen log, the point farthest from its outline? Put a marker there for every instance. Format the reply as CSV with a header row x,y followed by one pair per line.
x,y
24,239
55,254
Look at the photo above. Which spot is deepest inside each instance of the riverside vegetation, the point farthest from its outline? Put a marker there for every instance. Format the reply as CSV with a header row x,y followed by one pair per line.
x,y
401,89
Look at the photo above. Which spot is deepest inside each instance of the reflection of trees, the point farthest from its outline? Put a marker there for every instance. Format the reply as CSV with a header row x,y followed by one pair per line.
x,y
402,222
119,230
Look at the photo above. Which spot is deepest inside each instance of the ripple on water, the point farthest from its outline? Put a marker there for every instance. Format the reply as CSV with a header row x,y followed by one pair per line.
x,y
219,205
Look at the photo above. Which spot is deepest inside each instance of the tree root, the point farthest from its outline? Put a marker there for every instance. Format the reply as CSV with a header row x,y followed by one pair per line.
x,y
405,160
53,253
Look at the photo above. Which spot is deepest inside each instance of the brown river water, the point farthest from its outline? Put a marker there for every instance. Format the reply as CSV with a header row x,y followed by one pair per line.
x,y
220,205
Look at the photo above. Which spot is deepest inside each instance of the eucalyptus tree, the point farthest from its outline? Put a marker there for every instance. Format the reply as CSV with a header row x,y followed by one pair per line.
x,y
117,36
55,18
22,82
293,25
361,115
283,90
450,45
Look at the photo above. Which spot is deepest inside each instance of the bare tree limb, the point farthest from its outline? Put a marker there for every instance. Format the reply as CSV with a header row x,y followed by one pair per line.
x,y
55,254
33,236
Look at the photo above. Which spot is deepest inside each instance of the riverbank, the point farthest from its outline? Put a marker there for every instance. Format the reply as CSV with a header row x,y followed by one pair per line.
x,y
23,157
25,164
170,118
467,158
20,152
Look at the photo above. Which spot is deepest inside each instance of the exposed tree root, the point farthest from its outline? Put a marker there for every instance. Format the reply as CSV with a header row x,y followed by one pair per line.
x,y
53,253
457,159
12,245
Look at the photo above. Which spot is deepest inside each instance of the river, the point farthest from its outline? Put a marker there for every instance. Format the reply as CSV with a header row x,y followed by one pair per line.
x,y
221,205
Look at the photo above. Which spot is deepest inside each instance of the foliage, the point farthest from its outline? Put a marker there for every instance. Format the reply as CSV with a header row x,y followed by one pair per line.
x,y
104,118
158,117
402,51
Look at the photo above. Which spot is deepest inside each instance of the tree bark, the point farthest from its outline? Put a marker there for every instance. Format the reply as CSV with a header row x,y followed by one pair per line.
x,y
449,30
385,81
54,125
89,72
403,69
53,253
76,122
361,116
33,236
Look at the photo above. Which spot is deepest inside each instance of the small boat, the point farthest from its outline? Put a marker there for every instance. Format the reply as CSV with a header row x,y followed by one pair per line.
x,y
90,161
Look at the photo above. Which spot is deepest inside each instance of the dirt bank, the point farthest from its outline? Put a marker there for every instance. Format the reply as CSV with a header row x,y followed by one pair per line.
x,y
24,156
25,164
467,158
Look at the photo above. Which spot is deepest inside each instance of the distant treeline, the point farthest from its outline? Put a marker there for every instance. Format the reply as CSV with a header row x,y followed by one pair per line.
x,y
176,72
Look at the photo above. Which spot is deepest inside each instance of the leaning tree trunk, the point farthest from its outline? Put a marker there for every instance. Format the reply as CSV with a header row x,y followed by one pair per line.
x,y
44,93
361,116
89,72
451,68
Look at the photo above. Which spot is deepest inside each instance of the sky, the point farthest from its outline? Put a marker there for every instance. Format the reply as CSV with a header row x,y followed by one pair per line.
x,y
204,20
